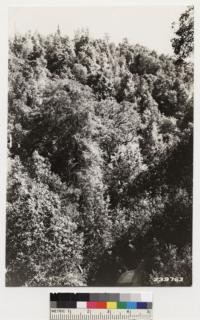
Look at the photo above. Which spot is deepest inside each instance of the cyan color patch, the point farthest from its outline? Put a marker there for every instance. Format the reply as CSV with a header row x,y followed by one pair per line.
x,y
131,305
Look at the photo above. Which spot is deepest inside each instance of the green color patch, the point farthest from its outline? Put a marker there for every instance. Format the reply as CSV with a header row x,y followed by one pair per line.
x,y
121,305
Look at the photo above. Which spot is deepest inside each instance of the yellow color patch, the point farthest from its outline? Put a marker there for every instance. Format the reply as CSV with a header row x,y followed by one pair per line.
x,y
111,305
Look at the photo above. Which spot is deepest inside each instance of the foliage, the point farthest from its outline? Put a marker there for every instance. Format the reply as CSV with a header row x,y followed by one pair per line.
x,y
43,247
183,42
100,149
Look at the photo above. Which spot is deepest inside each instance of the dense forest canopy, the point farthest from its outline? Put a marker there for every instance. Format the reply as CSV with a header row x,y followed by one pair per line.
x,y
100,170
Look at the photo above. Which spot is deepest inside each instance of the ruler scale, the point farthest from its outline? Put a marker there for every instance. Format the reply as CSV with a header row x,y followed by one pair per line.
x,y
100,306
58,314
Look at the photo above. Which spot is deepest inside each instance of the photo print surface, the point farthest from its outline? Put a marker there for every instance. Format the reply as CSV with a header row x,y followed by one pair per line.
x,y
100,146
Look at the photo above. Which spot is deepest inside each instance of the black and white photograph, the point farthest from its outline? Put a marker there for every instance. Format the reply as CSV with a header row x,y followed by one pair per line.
x,y
100,146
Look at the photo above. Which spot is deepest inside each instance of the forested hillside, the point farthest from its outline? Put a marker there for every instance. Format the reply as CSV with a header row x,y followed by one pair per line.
x,y
100,162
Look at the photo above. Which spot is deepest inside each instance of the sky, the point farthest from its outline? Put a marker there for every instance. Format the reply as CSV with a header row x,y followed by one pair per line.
x,y
147,25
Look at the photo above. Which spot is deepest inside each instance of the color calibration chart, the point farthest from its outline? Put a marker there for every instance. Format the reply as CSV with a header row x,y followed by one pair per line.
x,y
101,306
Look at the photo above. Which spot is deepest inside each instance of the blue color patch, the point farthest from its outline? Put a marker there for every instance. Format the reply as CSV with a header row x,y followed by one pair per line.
x,y
142,305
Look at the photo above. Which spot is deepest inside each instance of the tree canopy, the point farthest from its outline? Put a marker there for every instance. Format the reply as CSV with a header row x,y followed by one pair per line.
x,y
100,149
